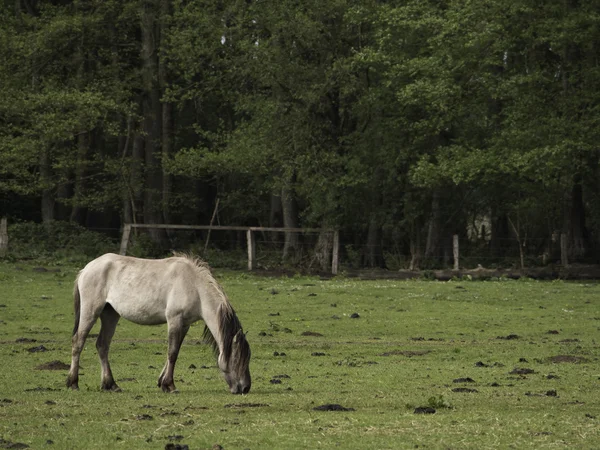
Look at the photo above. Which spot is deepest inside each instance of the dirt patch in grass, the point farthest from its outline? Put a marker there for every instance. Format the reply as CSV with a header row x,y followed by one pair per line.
x,y
311,333
332,407
521,371
246,405
464,389
41,389
38,349
510,337
193,408
407,353
53,365
171,446
558,359
424,410
9,444
463,380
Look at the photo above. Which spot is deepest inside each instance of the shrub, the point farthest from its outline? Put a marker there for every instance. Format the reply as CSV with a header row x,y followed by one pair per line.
x,y
56,240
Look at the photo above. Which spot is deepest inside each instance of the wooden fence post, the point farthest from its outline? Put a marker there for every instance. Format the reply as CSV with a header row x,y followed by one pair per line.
x,y
335,257
3,237
125,239
455,251
251,249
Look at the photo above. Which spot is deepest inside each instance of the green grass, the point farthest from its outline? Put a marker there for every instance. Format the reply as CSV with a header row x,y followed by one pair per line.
x,y
411,341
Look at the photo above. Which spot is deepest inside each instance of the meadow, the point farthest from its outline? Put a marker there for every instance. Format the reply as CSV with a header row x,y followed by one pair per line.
x,y
344,363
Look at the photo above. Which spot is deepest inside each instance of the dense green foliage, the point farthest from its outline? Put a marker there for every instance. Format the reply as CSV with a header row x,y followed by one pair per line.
x,y
505,364
57,241
400,123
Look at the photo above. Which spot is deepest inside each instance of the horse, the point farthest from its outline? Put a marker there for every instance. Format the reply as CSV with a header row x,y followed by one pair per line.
x,y
179,291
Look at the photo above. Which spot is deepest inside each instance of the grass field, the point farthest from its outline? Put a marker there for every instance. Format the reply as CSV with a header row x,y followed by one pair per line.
x,y
504,364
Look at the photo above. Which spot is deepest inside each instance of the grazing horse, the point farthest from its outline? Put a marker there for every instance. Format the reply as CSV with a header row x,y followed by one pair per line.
x,y
179,291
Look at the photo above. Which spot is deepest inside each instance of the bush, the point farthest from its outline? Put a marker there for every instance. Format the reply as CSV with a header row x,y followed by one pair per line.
x,y
56,240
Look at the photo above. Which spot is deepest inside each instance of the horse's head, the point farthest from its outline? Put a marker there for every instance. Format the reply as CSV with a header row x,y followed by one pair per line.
x,y
235,364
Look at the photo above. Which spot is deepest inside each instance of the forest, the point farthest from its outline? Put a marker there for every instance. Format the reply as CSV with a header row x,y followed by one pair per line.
x,y
398,123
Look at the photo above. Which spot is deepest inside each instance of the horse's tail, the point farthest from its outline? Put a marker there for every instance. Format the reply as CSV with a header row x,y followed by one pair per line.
x,y
76,304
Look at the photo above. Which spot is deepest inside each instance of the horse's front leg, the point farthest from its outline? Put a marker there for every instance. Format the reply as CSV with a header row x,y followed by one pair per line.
x,y
177,332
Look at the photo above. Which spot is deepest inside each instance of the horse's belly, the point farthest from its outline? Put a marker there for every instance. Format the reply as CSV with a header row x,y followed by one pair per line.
x,y
143,314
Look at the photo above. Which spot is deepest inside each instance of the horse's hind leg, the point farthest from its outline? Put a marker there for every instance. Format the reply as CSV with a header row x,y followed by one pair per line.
x,y
177,333
86,322
109,319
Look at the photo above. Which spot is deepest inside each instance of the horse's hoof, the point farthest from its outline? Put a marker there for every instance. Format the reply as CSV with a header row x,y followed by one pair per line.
x,y
112,388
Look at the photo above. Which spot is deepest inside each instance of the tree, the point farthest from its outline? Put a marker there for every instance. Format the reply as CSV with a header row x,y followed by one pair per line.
x,y
397,122
59,91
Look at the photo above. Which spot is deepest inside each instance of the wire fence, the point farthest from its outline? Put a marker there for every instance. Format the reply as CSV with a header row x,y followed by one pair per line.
x,y
309,250
300,250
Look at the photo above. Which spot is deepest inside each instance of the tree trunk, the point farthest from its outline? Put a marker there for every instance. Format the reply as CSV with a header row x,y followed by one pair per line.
x,y
499,234
290,220
575,222
46,183
126,196
167,146
275,212
134,182
62,211
78,213
167,117
323,251
434,227
3,237
373,254
415,247
152,120
575,219
517,230
275,217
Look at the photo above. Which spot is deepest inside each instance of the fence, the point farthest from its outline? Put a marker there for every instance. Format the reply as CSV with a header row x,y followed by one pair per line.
x,y
250,240
329,250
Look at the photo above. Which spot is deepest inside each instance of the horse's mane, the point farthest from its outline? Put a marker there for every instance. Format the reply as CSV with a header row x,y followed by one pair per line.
x,y
229,326
195,260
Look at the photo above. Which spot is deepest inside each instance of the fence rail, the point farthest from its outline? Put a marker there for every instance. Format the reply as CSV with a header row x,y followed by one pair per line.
x,y
452,254
250,241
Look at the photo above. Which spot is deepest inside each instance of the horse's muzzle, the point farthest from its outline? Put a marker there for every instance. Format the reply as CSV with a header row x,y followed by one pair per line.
x,y
240,388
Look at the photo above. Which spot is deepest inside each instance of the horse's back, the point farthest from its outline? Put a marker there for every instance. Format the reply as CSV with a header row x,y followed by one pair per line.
x,y
145,291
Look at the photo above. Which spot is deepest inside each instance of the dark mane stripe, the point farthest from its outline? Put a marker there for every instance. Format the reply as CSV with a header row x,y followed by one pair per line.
x,y
229,326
